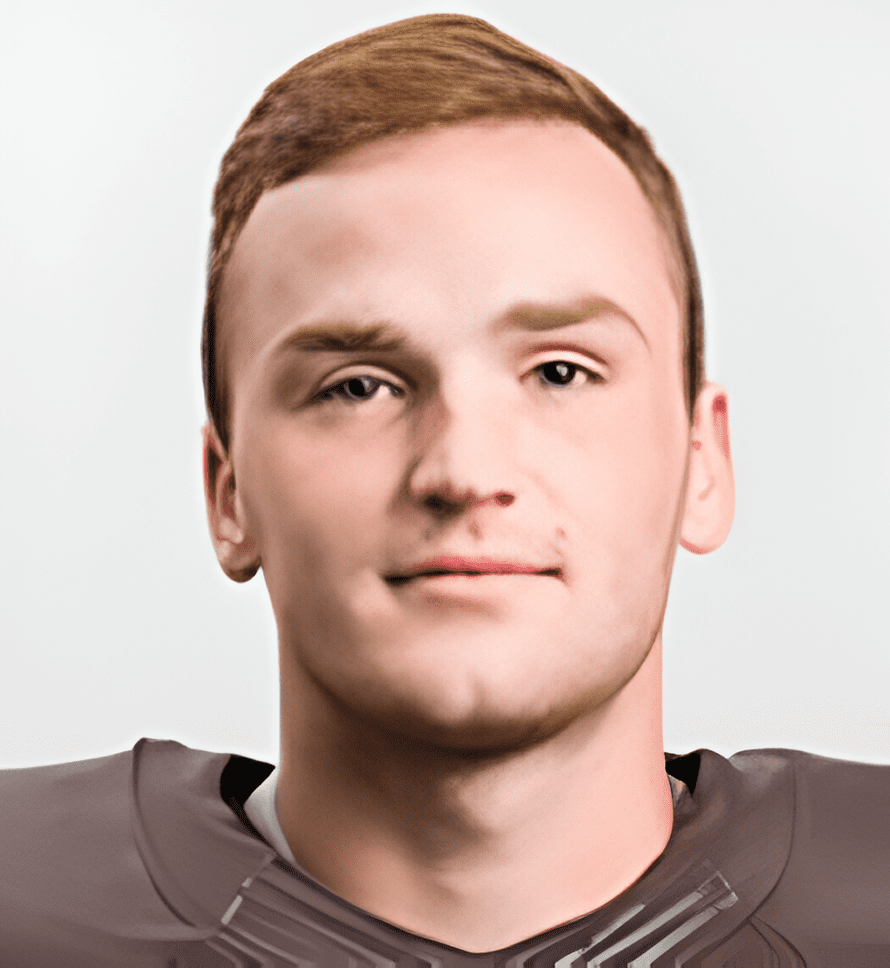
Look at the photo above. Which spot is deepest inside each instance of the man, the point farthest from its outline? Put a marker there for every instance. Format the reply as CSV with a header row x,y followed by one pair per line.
x,y
458,417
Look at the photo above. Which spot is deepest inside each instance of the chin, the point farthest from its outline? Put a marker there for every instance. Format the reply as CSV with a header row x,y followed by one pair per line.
x,y
472,719
479,738
472,688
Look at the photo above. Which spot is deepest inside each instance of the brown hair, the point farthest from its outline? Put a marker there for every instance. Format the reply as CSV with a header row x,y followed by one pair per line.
x,y
407,76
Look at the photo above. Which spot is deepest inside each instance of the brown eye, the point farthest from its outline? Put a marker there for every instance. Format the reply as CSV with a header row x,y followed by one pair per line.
x,y
356,389
360,387
558,373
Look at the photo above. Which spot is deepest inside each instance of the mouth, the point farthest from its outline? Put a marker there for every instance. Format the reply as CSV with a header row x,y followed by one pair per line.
x,y
446,566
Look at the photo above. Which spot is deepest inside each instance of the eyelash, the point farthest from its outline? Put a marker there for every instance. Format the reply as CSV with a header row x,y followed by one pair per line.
x,y
591,375
338,391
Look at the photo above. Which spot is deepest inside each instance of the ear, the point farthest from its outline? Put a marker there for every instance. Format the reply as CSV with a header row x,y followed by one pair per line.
x,y
710,485
235,549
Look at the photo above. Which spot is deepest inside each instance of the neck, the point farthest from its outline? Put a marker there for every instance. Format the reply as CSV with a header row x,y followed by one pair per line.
x,y
478,852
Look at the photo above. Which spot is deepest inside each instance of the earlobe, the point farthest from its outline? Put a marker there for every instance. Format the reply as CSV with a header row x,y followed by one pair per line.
x,y
235,549
710,486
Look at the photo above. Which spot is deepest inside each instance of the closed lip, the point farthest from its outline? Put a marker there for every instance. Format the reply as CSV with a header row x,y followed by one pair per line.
x,y
443,565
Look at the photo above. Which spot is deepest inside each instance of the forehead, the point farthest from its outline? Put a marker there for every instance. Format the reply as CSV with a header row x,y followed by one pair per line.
x,y
454,223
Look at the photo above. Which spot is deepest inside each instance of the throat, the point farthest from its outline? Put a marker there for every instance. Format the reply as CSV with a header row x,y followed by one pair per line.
x,y
489,858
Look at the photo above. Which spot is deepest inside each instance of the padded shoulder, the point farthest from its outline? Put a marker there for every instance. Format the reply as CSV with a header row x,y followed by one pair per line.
x,y
74,884
835,889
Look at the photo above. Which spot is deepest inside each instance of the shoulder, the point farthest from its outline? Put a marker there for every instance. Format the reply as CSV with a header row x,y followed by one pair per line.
x,y
53,816
834,889
65,793
75,882
835,801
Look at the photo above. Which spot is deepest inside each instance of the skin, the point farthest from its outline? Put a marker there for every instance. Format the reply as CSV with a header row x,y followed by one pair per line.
x,y
473,758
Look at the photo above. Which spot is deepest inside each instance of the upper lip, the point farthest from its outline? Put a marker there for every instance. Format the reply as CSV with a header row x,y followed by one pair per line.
x,y
466,565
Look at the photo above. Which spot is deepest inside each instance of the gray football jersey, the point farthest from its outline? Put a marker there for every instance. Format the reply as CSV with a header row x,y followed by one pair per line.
x,y
145,859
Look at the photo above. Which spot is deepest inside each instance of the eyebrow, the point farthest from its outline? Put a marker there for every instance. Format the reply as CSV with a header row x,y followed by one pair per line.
x,y
336,337
345,337
538,317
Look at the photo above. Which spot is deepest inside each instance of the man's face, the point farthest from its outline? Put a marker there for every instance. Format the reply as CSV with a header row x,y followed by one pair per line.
x,y
451,352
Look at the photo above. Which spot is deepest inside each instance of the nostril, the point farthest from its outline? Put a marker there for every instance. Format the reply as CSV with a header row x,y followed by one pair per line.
x,y
438,504
447,504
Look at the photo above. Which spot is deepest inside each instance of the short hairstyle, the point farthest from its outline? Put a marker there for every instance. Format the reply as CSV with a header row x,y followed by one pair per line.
x,y
416,74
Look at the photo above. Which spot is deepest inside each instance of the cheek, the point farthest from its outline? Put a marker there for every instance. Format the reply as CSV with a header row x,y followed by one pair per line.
x,y
625,471
313,494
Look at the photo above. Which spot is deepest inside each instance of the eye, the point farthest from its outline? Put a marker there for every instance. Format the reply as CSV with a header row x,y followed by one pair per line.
x,y
562,373
356,389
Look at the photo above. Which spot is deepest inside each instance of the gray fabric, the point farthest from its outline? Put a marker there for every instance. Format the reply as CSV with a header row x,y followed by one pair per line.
x,y
147,858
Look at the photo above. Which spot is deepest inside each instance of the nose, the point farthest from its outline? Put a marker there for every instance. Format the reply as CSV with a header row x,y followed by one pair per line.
x,y
464,460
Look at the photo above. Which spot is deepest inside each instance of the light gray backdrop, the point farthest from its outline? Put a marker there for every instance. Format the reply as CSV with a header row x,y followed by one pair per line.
x,y
117,623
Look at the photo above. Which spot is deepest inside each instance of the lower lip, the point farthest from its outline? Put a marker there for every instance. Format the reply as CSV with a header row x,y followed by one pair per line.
x,y
471,576
468,585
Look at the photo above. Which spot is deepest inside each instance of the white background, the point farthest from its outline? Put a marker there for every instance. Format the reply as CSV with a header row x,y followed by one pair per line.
x,y
117,623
